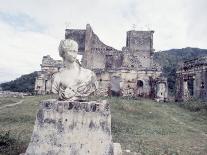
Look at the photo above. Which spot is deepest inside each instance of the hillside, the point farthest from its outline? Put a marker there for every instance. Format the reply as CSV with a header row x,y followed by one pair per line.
x,y
25,83
169,60
172,57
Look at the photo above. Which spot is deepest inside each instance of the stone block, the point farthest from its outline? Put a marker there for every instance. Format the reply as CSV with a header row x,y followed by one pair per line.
x,y
72,127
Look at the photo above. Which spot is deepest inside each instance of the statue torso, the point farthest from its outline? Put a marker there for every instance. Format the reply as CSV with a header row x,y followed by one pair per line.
x,y
75,82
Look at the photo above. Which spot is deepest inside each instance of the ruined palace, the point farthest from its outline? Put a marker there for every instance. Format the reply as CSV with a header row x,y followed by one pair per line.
x,y
191,80
49,66
127,72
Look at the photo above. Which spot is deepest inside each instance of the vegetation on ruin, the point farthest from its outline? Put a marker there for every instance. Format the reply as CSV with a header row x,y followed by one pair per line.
x,y
141,125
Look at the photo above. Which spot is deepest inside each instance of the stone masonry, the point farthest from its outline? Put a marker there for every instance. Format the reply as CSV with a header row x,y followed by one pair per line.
x,y
74,128
49,66
127,72
191,80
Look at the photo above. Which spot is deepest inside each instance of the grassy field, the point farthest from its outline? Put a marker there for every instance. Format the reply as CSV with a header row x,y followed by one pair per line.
x,y
139,125
8,100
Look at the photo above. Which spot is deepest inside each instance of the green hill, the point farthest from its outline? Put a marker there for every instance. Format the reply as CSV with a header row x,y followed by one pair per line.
x,y
25,83
169,61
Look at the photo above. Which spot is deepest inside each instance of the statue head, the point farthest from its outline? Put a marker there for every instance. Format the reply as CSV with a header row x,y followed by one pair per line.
x,y
68,50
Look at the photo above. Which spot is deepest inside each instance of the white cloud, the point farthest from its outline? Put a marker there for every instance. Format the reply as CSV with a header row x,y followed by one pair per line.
x,y
177,24
22,52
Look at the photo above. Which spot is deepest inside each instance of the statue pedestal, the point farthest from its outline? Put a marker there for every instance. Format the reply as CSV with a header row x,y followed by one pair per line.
x,y
72,128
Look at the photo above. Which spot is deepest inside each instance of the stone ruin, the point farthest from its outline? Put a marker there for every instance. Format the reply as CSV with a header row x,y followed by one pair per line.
x,y
191,81
73,125
129,72
43,82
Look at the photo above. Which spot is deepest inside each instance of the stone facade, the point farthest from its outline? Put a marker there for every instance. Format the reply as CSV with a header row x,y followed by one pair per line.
x,y
191,80
127,72
49,66
74,128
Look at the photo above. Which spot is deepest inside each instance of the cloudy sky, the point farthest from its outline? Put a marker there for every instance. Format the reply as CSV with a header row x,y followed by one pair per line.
x,y
30,29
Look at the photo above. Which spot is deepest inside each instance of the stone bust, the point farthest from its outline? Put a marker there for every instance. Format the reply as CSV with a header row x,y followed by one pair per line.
x,y
73,82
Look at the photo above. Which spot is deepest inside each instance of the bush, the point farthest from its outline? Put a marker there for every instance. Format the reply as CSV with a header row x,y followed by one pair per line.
x,y
10,146
194,105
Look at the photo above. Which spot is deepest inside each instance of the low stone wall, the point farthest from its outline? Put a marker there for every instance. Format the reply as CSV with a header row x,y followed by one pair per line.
x,y
74,128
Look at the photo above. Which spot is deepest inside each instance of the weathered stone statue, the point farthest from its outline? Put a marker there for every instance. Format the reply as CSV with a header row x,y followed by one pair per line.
x,y
73,82
72,125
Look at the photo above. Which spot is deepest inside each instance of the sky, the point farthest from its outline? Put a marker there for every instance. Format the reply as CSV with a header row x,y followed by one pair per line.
x,y
30,29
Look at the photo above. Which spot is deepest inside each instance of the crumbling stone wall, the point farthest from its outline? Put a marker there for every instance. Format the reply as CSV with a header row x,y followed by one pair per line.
x,y
78,36
140,43
49,66
132,64
95,53
191,80
132,83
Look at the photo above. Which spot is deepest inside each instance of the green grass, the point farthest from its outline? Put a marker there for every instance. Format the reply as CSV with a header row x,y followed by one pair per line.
x,y
139,125
158,128
8,100
19,121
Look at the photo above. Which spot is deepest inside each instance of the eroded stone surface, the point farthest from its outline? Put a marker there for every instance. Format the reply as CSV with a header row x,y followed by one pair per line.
x,y
125,68
191,80
73,81
74,128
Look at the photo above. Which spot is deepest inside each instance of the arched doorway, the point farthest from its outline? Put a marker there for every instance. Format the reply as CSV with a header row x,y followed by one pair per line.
x,y
191,87
140,88
115,86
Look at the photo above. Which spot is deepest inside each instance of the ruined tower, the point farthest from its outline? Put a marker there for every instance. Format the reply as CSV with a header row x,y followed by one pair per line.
x,y
140,43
